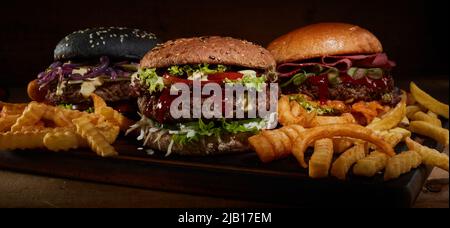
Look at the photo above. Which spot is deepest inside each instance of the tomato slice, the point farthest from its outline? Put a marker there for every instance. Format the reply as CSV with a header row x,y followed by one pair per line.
x,y
169,79
225,75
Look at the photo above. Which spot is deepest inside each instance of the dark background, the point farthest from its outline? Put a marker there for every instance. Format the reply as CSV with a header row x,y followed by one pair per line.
x,y
414,33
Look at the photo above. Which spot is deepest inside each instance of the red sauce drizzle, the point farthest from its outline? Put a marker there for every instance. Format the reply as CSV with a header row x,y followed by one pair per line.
x,y
163,107
321,82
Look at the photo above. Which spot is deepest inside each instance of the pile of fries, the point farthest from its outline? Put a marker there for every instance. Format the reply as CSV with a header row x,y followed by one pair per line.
x,y
365,150
36,125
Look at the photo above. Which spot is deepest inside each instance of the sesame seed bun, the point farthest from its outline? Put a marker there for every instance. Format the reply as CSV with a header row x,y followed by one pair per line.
x,y
114,42
211,50
324,39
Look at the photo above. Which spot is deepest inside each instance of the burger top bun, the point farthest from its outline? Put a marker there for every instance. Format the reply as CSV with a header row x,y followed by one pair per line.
x,y
114,42
211,50
324,39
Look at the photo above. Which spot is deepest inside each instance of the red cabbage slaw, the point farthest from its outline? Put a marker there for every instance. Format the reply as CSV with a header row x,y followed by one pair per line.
x,y
64,71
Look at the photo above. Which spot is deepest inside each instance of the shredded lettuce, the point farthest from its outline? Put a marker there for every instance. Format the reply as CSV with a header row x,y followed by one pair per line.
x,y
249,80
311,106
150,78
71,107
66,106
199,68
192,132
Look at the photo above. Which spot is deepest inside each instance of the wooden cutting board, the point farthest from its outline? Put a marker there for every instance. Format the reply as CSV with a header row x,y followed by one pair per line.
x,y
239,176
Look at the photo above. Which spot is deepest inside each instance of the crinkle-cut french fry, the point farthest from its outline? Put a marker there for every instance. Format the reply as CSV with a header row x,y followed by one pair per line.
x,y
64,139
430,157
371,165
346,118
411,110
429,102
394,136
37,127
101,108
56,115
421,116
7,122
355,131
390,119
32,114
340,145
23,140
12,109
320,163
287,111
115,117
343,164
432,114
296,109
376,161
401,164
400,131
98,101
441,135
405,123
96,140
108,130
275,144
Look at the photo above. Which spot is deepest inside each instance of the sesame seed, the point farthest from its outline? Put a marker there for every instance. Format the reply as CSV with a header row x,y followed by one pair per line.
x,y
104,43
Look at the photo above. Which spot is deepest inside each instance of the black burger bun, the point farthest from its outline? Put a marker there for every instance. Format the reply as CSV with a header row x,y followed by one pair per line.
x,y
114,42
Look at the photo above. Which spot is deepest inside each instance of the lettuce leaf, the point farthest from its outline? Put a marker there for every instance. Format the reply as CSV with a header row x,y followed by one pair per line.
x,y
311,106
189,70
150,78
192,132
249,80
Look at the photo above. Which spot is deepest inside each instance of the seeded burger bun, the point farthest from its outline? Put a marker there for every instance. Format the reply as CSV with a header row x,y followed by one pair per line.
x,y
324,39
233,53
212,50
114,42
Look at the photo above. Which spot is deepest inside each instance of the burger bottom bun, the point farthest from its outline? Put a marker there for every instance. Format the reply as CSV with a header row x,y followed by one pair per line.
x,y
206,146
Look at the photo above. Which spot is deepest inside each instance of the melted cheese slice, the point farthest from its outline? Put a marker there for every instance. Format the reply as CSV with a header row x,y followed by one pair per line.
x,y
88,87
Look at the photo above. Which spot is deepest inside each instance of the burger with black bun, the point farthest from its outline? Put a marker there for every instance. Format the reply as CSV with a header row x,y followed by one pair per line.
x,y
333,68
219,60
98,60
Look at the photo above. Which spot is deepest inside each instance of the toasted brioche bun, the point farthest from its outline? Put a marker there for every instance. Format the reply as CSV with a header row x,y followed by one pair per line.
x,y
211,50
324,39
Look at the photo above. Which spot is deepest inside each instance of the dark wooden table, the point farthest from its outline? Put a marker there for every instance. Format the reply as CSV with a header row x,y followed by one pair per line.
x,y
28,190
